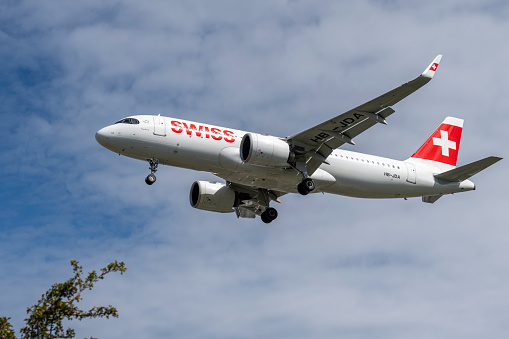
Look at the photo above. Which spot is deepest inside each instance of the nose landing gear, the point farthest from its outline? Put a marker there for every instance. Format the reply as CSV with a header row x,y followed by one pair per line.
x,y
151,178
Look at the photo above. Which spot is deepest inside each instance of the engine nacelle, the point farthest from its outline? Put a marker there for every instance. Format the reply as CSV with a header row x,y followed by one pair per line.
x,y
212,196
265,150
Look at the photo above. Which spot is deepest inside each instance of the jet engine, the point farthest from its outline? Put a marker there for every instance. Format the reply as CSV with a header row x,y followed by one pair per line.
x,y
212,196
265,150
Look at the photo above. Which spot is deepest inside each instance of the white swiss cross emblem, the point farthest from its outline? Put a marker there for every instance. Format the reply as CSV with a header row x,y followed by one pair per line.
x,y
444,142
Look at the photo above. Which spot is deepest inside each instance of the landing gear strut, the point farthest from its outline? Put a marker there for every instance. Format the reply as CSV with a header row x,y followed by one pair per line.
x,y
151,178
306,186
269,215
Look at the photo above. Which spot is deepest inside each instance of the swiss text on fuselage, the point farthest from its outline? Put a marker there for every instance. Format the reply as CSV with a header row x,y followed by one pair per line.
x,y
213,133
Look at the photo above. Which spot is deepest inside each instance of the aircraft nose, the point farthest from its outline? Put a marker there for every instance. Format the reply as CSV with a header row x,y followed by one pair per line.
x,y
102,136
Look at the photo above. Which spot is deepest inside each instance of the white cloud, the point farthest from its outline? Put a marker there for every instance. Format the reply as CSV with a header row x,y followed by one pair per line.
x,y
329,266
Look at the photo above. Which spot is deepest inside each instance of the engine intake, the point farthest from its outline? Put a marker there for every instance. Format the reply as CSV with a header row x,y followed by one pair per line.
x,y
265,150
212,196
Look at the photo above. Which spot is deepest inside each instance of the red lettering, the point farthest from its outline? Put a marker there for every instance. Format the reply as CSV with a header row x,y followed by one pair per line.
x,y
176,126
188,129
192,127
198,130
230,134
216,131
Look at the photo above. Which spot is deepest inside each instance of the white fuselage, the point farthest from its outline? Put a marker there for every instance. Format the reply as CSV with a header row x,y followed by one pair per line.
x,y
203,147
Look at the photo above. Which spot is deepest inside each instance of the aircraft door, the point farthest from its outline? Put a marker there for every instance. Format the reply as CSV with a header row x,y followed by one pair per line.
x,y
411,173
159,126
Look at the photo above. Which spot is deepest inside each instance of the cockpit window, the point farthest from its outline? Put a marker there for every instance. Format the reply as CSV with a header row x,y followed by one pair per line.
x,y
131,121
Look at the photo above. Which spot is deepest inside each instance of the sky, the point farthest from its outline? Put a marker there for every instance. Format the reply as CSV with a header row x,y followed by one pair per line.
x,y
329,266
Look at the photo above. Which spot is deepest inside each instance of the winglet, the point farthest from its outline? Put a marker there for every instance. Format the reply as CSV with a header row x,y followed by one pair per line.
x,y
429,72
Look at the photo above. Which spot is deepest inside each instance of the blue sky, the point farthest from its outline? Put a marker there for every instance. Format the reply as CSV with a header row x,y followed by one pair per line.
x,y
329,266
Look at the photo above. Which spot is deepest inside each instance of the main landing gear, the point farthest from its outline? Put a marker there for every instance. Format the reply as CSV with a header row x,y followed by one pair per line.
x,y
306,186
151,178
269,215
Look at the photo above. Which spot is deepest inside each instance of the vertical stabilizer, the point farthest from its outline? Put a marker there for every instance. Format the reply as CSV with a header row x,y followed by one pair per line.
x,y
441,148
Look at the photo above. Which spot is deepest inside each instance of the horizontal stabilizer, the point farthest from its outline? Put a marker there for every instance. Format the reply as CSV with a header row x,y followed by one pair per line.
x,y
464,172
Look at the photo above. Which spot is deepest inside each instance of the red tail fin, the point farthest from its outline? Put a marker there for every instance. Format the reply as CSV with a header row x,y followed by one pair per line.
x,y
443,145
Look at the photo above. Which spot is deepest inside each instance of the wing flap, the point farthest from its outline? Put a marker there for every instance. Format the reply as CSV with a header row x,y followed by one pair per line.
x,y
464,172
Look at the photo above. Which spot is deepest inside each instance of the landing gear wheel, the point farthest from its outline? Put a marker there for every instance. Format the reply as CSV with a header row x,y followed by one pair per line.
x,y
265,219
307,185
269,215
302,190
150,179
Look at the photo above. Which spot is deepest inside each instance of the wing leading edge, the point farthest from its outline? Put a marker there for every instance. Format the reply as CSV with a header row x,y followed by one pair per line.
x,y
314,145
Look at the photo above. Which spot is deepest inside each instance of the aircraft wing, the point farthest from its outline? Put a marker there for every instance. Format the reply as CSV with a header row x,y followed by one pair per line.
x,y
318,142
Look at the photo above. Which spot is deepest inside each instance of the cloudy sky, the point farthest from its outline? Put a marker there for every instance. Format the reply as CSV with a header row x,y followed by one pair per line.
x,y
330,266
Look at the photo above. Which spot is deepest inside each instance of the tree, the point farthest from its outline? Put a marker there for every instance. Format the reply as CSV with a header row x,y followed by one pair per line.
x,y
59,304
6,331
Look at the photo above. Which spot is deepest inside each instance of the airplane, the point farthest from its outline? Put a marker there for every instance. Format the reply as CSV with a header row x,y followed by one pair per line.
x,y
259,168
